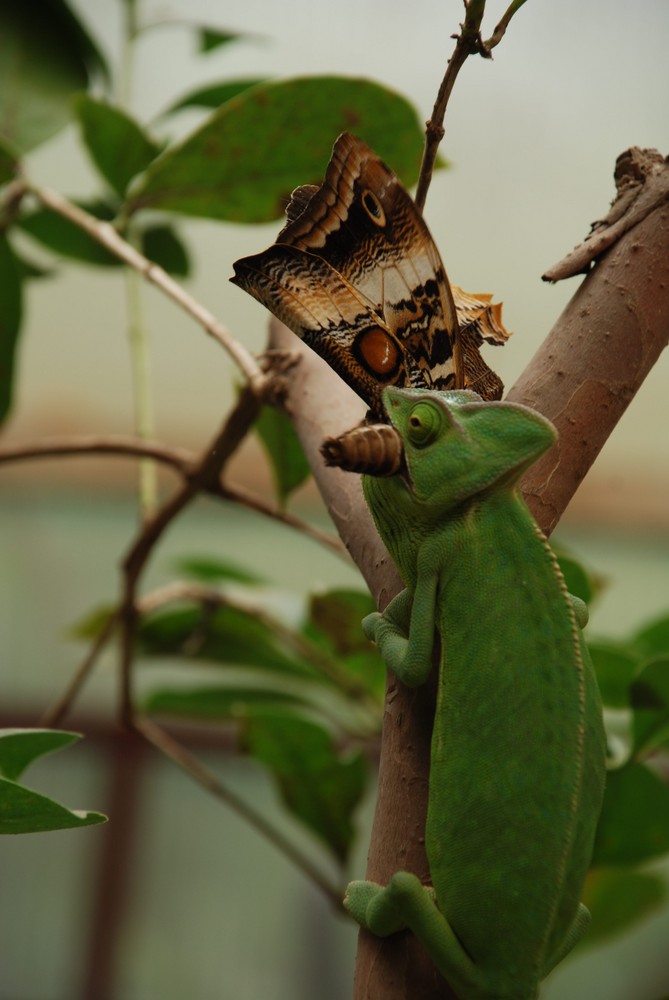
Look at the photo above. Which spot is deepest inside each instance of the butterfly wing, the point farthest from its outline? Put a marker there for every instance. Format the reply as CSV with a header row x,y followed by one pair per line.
x,y
365,225
356,274
330,315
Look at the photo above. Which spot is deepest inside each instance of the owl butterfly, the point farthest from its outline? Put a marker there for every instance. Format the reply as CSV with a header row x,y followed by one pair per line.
x,y
356,274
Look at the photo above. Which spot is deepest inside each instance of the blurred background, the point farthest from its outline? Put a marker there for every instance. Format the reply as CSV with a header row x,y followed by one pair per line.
x,y
532,136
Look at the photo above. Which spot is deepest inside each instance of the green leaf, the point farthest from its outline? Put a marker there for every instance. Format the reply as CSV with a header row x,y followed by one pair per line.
x,y
214,95
615,667
11,311
338,615
288,462
634,823
29,270
215,702
649,698
319,784
221,634
9,162
92,624
334,623
653,638
118,146
245,159
211,39
213,570
25,811
63,237
20,747
618,898
162,245
46,55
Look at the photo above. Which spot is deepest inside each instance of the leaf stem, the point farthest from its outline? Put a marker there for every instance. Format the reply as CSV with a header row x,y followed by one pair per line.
x,y
140,357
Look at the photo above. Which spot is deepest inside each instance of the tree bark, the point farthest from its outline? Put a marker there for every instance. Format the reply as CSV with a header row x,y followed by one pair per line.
x,y
582,378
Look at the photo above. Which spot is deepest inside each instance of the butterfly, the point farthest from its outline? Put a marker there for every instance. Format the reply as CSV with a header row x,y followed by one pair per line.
x,y
357,276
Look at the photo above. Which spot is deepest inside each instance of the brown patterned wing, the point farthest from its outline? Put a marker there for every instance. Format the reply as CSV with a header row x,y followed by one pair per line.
x,y
332,317
356,274
366,226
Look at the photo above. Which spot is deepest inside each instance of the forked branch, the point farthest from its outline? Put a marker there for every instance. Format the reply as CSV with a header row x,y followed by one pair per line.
x,y
467,43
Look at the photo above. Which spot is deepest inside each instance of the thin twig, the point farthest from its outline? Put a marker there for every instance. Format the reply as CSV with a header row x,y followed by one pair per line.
x,y
181,461
140,363
105,444
240,495
57,712
106,234
202,477
167,745
468,42
502,25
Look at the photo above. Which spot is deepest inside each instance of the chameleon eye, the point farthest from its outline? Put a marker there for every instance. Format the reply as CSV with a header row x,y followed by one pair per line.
x,y
423,424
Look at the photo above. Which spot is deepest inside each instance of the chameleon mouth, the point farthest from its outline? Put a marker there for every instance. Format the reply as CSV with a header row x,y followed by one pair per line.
x,y
372,449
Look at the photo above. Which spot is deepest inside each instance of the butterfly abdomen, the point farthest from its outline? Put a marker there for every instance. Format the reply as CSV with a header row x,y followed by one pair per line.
x,y
375,449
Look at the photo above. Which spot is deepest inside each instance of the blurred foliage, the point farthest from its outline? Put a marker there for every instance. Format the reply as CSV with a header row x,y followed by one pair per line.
x,y
21,809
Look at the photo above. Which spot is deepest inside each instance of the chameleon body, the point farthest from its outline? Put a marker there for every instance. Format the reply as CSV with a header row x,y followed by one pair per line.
x,y
518,750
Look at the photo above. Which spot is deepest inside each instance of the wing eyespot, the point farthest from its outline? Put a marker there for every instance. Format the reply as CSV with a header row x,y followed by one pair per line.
x,y
373,208
379,353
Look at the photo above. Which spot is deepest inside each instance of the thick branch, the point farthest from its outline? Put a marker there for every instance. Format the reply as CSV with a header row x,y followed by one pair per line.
x,y
642,183
321,405
595,359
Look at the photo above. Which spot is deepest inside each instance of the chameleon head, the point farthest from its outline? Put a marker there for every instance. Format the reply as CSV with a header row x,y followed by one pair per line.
x,y
456,445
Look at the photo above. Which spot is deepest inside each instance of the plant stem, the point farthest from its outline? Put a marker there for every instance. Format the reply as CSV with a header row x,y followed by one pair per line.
x,y
140,357
126,72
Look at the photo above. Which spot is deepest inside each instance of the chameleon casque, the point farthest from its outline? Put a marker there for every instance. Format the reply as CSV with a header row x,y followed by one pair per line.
x,y
518,751
518,748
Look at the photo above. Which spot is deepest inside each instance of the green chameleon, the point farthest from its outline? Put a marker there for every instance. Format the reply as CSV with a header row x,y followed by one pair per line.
x,y
518,747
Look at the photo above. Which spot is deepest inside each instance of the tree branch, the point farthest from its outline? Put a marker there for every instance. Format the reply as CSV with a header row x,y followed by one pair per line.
x,y
597,356
178,459
468,43
204,476
104,444
107,236
321,405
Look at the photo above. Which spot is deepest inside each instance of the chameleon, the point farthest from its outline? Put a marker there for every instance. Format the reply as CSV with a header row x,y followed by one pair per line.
x,y
518,748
